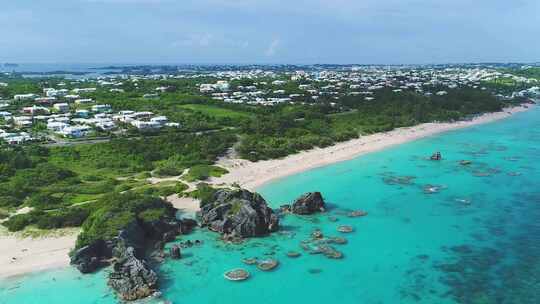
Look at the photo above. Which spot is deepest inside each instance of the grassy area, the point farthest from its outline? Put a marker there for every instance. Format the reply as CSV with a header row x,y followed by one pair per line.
x,y
162,189
203,172
215,111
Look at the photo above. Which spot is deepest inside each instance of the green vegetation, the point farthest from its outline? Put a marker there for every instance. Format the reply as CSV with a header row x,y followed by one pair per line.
x,y
69,185
68,217
162,189
531,72
116,211
63,178
204,193
203,172
289,130
216,111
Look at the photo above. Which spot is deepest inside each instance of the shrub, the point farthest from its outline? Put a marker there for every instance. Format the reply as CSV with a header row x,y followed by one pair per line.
x,y
203,172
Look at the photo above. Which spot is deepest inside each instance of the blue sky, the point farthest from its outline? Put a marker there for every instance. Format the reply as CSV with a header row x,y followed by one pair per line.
x,y
269,31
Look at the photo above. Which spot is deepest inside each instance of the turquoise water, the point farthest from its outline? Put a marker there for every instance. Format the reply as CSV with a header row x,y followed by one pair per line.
x,y
477,240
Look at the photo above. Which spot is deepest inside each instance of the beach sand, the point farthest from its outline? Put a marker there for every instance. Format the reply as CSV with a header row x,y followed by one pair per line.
x,y
187,206
251,175
36,254
20,255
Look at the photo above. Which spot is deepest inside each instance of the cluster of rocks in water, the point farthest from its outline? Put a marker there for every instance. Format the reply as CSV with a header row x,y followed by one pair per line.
x,y
234,213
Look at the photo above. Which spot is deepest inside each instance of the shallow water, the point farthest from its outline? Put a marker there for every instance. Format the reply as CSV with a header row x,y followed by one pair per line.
x,y
474,238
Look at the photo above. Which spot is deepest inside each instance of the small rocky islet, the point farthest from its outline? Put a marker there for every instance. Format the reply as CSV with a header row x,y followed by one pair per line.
x,y
235,214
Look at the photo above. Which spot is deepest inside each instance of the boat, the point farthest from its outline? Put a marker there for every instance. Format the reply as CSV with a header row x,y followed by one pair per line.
x,y
238,274
465,162
267,265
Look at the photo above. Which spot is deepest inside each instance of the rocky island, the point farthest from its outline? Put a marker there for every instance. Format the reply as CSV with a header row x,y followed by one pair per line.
x,y
239,213
121,233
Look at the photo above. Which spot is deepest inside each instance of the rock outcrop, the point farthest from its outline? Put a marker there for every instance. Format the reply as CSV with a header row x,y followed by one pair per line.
x,y
132,278
239,213
175,252
309,203
89,258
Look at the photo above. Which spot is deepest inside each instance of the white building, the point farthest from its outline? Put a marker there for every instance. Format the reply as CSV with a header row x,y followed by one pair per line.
x,y
25,96
61,107
101,108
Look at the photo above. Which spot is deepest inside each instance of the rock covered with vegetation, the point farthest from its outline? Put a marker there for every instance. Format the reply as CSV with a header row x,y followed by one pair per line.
x,y
121,230
238,213
308,203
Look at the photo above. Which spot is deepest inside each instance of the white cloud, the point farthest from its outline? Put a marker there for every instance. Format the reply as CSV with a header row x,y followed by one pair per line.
x,y
273,47
195,40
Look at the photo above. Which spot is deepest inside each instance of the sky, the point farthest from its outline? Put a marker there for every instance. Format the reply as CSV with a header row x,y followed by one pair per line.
x,y
269,31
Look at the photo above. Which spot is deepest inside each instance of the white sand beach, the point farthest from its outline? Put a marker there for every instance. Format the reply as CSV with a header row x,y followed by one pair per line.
x,y
251,175
23,255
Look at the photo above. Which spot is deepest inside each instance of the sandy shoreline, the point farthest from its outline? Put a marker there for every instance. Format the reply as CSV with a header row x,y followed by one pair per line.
x,y
20,255
251,175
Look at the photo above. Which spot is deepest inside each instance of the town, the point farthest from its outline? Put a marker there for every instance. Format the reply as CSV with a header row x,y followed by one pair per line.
x,y
60,110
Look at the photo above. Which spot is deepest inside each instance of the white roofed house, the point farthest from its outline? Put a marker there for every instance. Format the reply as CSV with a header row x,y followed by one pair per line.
x,y
159,119
61,107
25,96
72,97
82,113
105,125
34,110
5,115
84,90
22,121
45,100
75,131
101,108
15,138
55,93
150,96
56,126
206,88
172,125
145,125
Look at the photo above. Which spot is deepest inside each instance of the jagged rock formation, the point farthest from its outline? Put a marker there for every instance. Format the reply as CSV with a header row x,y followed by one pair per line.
x,y
175,252
132,278
239,213
308,203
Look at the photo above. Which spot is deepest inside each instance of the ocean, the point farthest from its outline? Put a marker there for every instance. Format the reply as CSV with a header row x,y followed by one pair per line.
x,y
436,232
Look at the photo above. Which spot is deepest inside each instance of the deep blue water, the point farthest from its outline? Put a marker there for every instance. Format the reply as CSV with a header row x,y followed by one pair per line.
x,y
476,240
